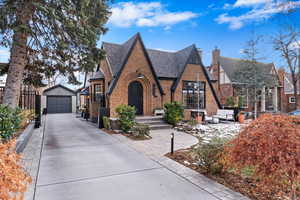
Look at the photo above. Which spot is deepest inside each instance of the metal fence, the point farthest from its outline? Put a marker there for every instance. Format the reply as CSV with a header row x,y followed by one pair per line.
x,y
27,98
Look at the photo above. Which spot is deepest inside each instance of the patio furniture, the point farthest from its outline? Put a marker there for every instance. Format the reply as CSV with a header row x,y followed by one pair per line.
x,y
159,112
215,120
225,114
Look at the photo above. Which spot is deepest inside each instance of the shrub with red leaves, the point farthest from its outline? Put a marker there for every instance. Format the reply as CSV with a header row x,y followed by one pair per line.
x,y
13,179
271,144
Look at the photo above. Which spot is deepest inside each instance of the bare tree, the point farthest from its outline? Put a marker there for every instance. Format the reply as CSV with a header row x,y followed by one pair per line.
x,y
251,74
287,43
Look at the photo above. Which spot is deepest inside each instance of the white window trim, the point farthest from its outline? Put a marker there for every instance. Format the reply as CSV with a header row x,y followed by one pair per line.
x,y
290,100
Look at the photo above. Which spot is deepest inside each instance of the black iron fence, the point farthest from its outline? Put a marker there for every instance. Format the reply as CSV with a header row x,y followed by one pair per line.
x,y
27,98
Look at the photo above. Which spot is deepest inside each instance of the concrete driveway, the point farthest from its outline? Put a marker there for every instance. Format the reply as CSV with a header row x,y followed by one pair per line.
x,y
80,162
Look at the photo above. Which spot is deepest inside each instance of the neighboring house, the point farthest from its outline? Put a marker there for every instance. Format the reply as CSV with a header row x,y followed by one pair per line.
x,y
130,74
287,96
222,70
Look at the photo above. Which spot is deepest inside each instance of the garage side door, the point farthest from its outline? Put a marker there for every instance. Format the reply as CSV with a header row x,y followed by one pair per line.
x,y
59,104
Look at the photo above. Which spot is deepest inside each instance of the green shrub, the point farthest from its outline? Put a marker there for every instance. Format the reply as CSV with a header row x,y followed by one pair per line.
x,y
209,155
141,130
192,122
126,116
10,120
106,123
229,101
173,112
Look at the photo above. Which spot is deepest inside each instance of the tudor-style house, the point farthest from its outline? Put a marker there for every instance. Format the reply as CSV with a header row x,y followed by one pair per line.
x,y
222,70
130,74
287,94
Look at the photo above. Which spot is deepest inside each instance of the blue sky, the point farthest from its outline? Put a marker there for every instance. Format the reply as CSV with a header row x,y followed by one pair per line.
x,y
175,24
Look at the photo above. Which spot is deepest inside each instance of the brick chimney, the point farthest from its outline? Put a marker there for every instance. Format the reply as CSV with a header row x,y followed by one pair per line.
x,y
281,75
283,97
216,53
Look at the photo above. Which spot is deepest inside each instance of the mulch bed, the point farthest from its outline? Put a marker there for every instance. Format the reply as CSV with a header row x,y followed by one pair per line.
x,y
112,132
244,185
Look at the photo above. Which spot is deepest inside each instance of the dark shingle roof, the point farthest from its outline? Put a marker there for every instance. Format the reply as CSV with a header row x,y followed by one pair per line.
x,y
116,53
165,64
97,75
288,84
229,65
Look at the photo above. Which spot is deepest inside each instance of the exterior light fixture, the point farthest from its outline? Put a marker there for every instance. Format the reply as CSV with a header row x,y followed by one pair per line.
x,y
140,76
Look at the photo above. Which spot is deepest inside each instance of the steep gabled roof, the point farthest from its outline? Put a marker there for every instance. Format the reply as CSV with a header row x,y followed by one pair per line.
x,y
288,84
229,65
124,52
194,58
117,54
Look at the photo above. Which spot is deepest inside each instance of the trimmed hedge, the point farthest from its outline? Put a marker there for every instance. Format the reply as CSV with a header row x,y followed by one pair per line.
x,y
126,116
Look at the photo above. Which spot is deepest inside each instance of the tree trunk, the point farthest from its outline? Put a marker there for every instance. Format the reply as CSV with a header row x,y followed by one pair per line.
x,y
18,58
295,88
15,71
255,104
293,192
297,106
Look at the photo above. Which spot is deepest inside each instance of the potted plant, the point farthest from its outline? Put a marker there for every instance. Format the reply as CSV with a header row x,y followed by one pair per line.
x,y
241,117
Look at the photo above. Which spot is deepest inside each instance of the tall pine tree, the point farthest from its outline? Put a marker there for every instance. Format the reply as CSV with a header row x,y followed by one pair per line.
x,y
46,36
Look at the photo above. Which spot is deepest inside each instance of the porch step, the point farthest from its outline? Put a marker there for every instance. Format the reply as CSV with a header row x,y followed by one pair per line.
x,y
160,126
154,122
149,118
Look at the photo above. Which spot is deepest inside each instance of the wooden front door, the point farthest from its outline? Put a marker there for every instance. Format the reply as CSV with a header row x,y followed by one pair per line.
x,y
135,96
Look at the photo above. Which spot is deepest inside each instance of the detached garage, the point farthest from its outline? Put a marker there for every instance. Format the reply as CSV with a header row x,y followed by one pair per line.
x,y
59,99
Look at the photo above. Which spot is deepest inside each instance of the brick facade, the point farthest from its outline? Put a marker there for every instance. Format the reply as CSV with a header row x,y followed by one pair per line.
x,y
286,105
137,63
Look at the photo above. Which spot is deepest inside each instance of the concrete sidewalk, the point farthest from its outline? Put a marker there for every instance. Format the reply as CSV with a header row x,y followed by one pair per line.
x,y
80,162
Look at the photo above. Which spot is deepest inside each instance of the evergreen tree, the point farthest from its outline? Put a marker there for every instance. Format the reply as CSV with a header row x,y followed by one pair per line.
x,y
49,36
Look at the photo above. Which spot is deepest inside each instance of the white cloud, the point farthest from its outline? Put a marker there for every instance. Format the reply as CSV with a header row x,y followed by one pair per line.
x,y
240,3
4,55
256,14
146,15
227,6
296,45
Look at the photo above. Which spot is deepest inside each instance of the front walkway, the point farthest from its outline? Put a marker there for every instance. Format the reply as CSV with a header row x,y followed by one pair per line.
x,y
80,162
159,145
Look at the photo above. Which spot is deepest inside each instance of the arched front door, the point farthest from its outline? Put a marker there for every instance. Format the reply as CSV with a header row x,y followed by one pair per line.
x,y
135,96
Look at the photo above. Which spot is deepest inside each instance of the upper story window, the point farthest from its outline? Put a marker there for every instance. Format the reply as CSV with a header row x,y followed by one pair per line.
x,y
193,94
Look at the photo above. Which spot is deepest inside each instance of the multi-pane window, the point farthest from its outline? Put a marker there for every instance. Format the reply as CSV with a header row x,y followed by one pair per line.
x,y
193,94
243,97
98,92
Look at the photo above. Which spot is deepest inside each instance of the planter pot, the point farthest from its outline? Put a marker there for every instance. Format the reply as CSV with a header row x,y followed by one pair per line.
x,y
241,118
199,119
